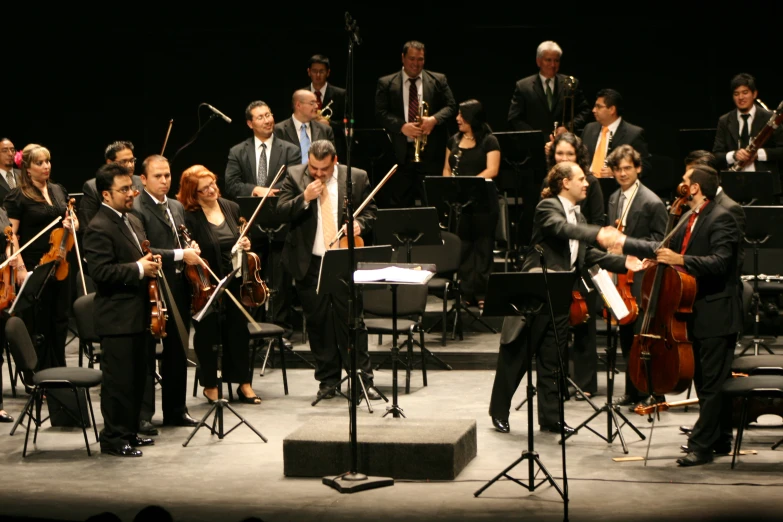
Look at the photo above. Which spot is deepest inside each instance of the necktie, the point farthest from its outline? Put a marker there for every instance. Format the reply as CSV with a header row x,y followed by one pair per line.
x,y
163,208
133,232
304,143
600,153
261,176
691,220
413,100
9,178
328,223
620,205
549,92
745,132
319,100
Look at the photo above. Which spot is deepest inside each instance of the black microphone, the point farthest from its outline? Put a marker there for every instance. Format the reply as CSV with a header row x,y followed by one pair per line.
x,y
217,112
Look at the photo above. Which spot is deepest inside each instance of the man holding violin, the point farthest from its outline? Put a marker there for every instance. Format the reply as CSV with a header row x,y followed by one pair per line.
x,y
706,248
112,246
161,218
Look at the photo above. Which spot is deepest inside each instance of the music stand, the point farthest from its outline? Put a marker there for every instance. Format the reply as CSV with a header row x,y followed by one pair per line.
x,y
529,294
759,231
751,188
32,287
406,226
213,306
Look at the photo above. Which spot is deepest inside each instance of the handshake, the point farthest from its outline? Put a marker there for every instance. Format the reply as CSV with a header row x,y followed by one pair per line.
x,y
611,240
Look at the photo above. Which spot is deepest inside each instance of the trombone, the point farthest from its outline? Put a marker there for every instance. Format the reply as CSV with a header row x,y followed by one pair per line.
x,y
569,88
326,112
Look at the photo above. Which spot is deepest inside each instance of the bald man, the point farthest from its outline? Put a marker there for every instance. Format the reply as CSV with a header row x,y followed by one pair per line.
x,y
301,129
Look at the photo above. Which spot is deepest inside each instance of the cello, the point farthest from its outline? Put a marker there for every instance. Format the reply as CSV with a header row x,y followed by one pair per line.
x,y
158,306
661,359
199,280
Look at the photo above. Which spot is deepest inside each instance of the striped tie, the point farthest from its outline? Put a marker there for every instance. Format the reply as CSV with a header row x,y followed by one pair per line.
x,y
413,101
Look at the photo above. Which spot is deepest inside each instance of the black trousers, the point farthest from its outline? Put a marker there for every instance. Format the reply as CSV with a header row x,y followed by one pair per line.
x,y
327,330
477,236
49,320
584,352
229,328
124,369
280,281
512,366
713,357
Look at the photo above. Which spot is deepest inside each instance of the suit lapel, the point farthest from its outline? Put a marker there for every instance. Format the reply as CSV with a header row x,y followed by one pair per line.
x,y
274,160
538,87
619,135
612,208
124,230
634,211
250,159
3,183
396,92
428,84
290,129
733,127
152,208
759,121
703,216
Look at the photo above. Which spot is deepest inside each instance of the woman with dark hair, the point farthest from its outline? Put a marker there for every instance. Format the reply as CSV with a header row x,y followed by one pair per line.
x,y
569,147
31,207
213,223
474,151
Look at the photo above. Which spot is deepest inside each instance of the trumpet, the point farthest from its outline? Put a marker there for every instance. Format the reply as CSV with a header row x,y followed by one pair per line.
x,y
326,112
421,141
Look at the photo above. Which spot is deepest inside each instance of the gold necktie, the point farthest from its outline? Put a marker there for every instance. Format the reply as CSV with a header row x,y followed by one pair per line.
x,y
328,223
600,153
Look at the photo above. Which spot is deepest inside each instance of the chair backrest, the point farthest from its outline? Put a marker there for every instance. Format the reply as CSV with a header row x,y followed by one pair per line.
x,y
21,345
446,257
411,300
83,312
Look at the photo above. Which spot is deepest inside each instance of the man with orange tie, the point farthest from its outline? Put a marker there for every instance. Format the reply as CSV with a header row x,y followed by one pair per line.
x,y
609,131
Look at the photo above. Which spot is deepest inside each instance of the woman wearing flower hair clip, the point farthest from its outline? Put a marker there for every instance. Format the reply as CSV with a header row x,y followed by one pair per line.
x,y
31,207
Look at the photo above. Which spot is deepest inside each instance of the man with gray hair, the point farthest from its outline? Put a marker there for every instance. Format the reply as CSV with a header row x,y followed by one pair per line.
x,y
301,129
538,100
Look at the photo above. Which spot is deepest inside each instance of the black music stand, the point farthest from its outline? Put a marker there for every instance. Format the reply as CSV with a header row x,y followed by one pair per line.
x,y
760,223
405,226
213,306
751,188
333,279
394,409
529,294
32,287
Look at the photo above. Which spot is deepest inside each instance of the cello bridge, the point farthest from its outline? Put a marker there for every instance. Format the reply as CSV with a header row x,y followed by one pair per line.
x,y
651,336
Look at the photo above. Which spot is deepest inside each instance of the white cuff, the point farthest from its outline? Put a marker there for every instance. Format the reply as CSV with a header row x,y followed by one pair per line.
x,y
141,270
179,254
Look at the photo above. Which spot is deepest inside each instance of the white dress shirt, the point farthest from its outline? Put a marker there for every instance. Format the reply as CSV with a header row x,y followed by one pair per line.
x,y
322,90
331,186
573,244
762,154
629,194
257,141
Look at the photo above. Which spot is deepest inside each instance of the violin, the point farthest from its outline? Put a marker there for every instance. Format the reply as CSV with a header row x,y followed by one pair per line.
x,y
60,243
624,284
661,359
199,280
158,314
254,291
8,275
578,311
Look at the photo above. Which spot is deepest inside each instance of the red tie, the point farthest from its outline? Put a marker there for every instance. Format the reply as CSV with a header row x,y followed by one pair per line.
x,y
319,100
688,230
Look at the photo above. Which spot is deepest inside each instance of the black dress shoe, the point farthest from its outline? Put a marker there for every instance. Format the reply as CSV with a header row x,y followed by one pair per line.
x,y
626,400
147,428
180,420
140,441
373,394
581,397
720,448
686,429
501,425
4,417
122,451
326,393
555,428
695,458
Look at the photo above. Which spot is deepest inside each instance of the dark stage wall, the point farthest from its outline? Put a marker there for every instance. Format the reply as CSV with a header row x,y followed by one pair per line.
x,y
90,80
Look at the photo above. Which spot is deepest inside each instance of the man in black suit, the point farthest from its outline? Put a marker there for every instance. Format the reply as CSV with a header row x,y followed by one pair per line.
x,y
9,175
609,131
706,248
642,215
161,218
326,93
565,239
301,128
538,100
736,128
310,201
251,167
112,245
397,104
118,152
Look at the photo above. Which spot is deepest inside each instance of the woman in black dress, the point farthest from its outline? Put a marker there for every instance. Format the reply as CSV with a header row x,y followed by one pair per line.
x,y
474,151
31,207
213,223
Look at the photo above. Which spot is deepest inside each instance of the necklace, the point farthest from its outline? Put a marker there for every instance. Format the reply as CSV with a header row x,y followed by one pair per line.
x,y
469,138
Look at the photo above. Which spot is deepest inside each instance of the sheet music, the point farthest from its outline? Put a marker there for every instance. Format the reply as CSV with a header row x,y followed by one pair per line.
x,y
21,289
221,284
392,274
603,282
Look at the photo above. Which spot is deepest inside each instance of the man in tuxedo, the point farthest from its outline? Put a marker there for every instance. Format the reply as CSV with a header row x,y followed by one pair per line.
x,y
642,215
310,202
251,167
9,174
319,69
161,218
112,245
706,248
609,131
397,103
301,128
565,240
538,100
118,152
736,128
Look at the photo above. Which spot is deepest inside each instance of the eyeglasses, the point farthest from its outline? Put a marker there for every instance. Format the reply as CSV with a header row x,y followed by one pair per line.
x,y
127,162
211,186
262,117
599,106
123,190
8,150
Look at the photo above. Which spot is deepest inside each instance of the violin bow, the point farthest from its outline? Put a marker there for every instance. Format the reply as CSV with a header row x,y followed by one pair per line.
x,y
183,335
258,207
166,140
39,234
358,211
76,244
236,302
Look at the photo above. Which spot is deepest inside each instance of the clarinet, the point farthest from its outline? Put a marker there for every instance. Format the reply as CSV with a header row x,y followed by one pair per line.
x,y
608,148
457,157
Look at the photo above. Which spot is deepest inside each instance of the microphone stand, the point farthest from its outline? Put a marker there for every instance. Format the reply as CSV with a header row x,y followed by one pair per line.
x,y
352,481
195,136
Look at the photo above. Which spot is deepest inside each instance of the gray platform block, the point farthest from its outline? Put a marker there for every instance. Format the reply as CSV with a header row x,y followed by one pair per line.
x,y
389,447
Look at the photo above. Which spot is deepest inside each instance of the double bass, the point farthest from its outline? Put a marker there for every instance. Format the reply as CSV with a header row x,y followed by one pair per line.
x,y
661,359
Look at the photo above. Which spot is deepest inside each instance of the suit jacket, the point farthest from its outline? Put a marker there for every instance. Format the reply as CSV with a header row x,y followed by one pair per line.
x,y
201,232
390,113
298,248
158,231
336,95
286,130
738,213
242,168
529,109
121,299
553,232
727,140
646,218
711,257
92,201
4,188
626,134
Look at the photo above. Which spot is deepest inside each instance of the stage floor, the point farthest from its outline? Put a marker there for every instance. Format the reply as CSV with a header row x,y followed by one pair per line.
x,y
241,476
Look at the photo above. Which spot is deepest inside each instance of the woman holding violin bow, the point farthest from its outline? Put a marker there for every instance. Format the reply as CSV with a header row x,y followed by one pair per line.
x,y
11,277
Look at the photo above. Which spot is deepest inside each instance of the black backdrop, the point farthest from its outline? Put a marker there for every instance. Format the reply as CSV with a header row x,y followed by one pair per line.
x,y
77,81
